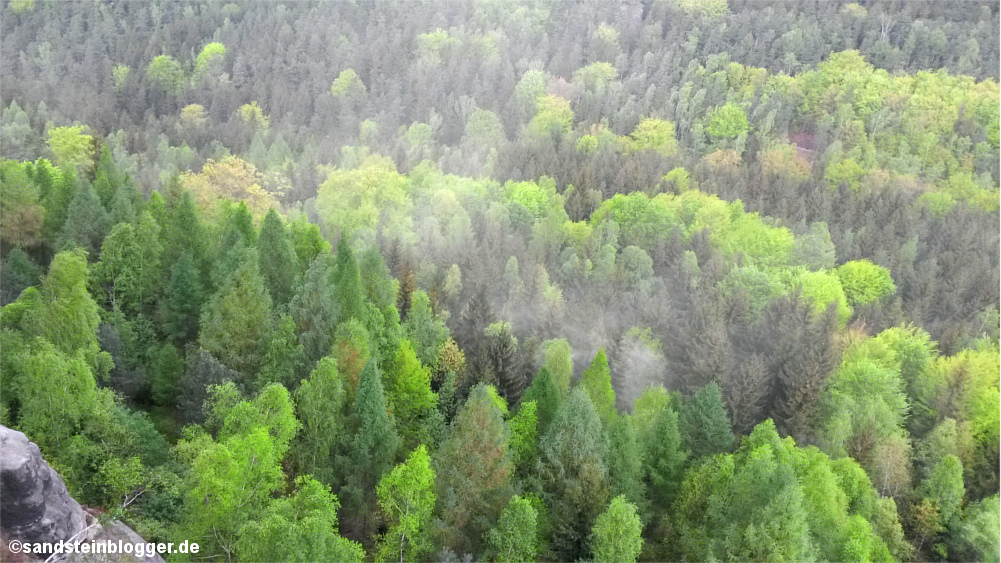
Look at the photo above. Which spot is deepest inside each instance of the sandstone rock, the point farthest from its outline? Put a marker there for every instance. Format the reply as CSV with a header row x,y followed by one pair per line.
x,y
35,507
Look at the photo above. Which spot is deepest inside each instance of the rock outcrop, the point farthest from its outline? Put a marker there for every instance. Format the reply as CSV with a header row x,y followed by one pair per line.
x,y
35,506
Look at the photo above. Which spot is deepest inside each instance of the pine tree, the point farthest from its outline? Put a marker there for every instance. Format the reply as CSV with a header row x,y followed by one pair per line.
x,y
368,454
181,307
279,263
703,423
597,381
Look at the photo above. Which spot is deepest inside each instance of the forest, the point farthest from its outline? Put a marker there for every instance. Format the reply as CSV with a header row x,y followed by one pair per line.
x,y
509,280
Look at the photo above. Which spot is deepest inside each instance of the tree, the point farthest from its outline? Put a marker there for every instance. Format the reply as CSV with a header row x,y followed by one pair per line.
x,y
236,319
347,283
279,263
315,309
57,200
655,135
573,475
406,497
181,307
664,459
501,354
944,488
19,272
369,452
86,222
546,395
474,470
71,148
616,533
864,281
703,423
372,194
557,358
726,121
320,401
626,462
299,528
513,538
283,357
233,478
167,74
597,381
230,178
65,315
21,214
211,54
408,388
424,330
524,437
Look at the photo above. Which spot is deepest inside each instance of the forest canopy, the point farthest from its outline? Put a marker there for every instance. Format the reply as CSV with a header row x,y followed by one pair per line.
x,y
509,281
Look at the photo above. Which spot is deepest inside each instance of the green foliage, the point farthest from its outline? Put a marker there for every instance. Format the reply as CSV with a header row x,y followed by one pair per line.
x,y
86,223
553,119
556,357
524,436
320,401
71,148
544,392
167,369
704,424
726,121
944,487
182,303
406,496
616,533
365,197
513,539
597,382
474,470
424,329
408,388
211,54
625,462
236,319
864,282
369,450
299,528
656,135
573,474
283,356
347,83
278,261
664,458
166,74
21,214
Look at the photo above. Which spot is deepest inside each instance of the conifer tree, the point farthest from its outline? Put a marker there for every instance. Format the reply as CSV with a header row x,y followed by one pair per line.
x,y
347,283
315,310
86,224
184,232
597,381
664,459
501,351
546,395
279,263
368,454
704,424
625,462
236,319
474,471
283,356
424,330
181,307
573,474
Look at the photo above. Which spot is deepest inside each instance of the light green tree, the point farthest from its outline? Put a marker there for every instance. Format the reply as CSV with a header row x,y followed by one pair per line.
x,y
406,496
513,539
615,536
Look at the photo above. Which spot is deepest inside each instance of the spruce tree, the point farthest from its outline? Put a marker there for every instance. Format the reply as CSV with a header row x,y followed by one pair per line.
x,y
279,262
625,462
86,224
368,455
664,459
182,303
315,310
347,283
703,423
573,475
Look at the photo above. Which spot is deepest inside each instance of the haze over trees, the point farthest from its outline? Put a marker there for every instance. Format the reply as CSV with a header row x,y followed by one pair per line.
x,y
509,281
